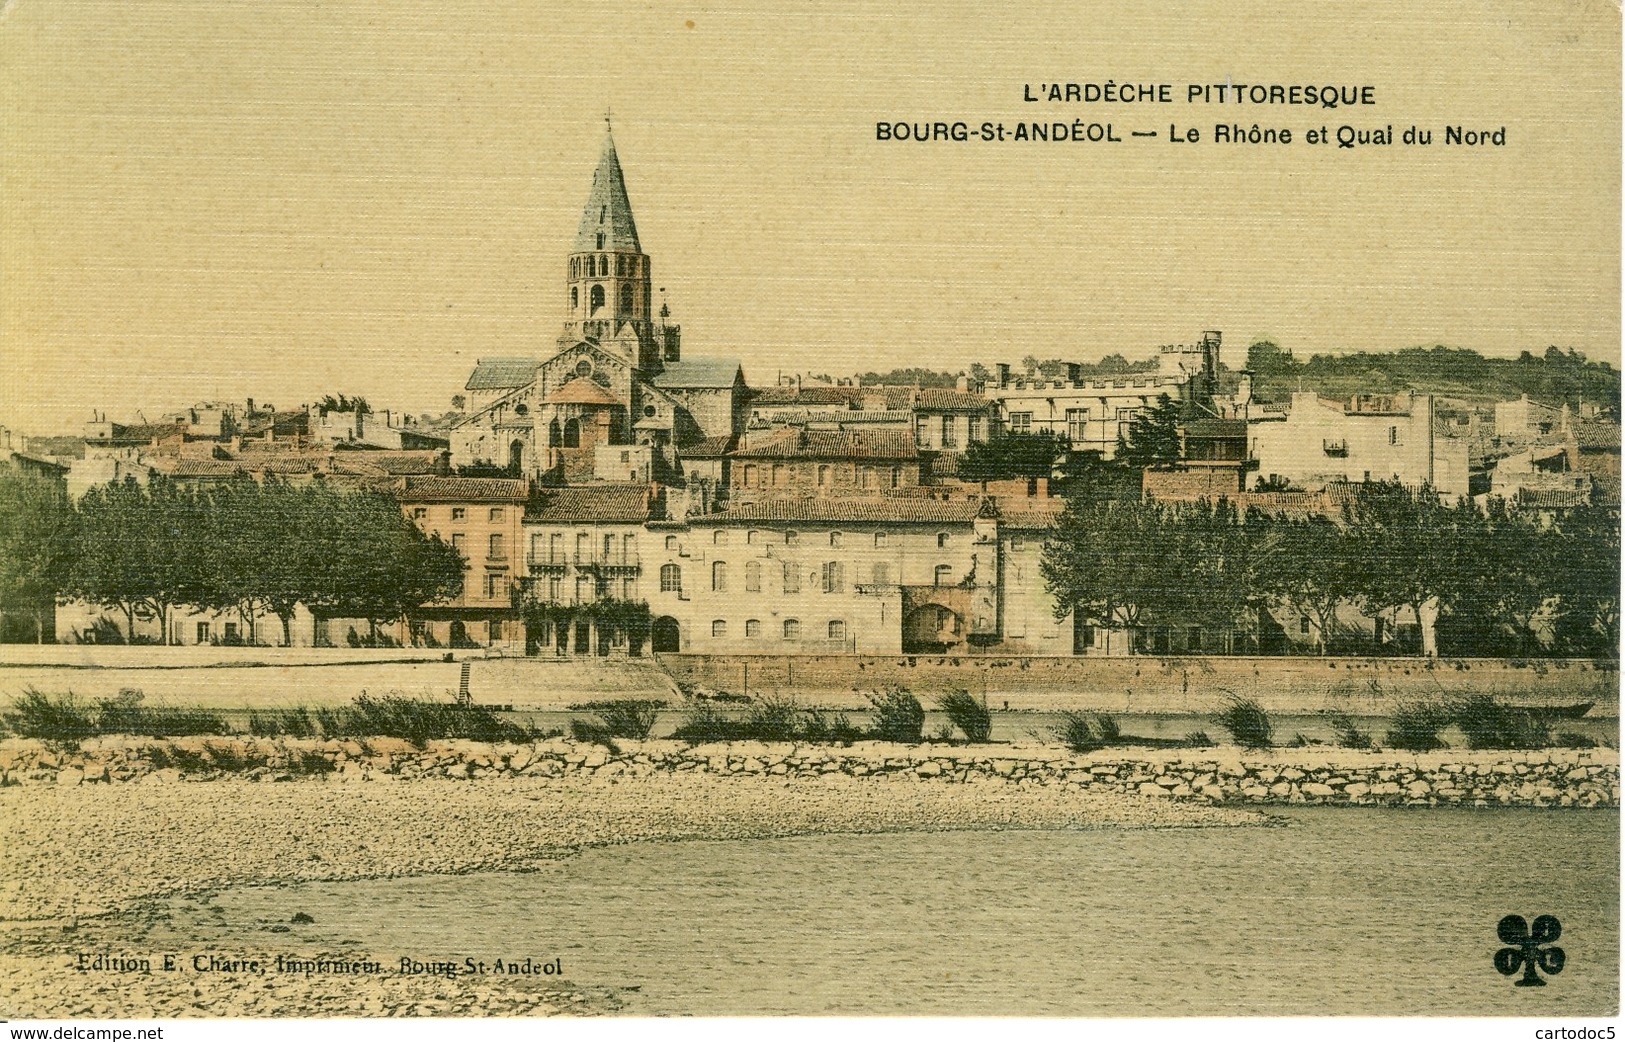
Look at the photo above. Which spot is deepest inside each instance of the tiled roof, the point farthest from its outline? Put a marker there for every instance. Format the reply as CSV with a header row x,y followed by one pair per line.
x,y
1559,499
582,391
613,504
707,448
946,399
146,431
191,467
799,443
501,374
788,395
461,490
1028,520
848,511
698,372
1594,434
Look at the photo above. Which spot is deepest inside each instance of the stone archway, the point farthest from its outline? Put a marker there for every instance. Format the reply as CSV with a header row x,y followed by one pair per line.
x,y
664,635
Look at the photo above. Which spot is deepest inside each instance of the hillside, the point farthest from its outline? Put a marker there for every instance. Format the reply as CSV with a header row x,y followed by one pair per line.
x,y
1555,378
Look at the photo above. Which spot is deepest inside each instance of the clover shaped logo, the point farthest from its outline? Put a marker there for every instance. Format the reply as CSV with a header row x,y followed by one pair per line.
x,y
1531,949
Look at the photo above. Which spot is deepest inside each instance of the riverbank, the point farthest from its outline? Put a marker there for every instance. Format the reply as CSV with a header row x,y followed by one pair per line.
x,y
101,836
85,866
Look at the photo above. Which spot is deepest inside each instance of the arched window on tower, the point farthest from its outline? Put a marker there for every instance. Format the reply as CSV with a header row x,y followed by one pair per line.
x,y
554,437
600,240
603,264
597,300
575,298
626,298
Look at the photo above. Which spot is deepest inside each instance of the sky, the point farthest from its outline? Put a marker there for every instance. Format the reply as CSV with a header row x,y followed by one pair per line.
x,y
279,200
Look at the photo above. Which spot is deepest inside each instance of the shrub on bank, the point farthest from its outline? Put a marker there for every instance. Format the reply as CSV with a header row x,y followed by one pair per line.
x,y
899,717
1489,724
1077,733
35,714
1248,724
968,714
1349,736
1415,727
766,720
625,718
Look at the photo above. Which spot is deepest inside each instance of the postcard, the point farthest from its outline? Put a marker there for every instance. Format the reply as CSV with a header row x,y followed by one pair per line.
x,y
1071,511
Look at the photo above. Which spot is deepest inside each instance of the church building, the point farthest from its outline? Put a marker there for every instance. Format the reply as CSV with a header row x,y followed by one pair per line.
x,y
617,375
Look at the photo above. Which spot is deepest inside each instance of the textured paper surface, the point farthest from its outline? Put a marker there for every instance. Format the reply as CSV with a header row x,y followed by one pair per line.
x,y
204,201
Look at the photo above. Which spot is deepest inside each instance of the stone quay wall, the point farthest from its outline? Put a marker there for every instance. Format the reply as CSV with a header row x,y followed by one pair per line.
x,y
1148,684
1222,775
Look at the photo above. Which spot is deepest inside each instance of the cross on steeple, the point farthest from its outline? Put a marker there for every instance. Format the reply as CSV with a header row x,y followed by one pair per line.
x,y
607,115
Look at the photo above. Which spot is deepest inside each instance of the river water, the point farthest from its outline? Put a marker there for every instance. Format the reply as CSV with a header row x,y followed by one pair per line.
x,y
1340,912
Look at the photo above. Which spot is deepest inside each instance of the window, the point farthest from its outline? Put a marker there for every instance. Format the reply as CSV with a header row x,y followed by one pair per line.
x,y
834,577
978,429
629,588
584,589
880,538
1021,423
1077,424
948,437
791,537
498,552
837,629
719,576
753,627
626,297
753,576
1393,436
792,629
671,542
203,633
457,541
495,629
231,633
835,539
942,540
671,579
597,299
575,298
750,475
459,513
944,575
555,588
495,586
882,574
792,578
867,478
496,513
1303,624
419,513
719,537
823,474
752,537
896,476
922,430
719,628
778,474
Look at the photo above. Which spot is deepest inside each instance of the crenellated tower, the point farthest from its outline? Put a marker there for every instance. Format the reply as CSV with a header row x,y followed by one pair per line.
x,y
608,278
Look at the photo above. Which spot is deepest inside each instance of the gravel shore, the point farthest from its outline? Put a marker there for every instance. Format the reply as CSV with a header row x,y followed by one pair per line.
x,y
82,862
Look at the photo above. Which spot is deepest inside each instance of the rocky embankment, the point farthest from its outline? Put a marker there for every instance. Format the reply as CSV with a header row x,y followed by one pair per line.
x,y
1315,775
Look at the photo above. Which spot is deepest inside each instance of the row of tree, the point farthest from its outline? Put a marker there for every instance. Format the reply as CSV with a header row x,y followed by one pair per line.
x,y
238,547
1500,582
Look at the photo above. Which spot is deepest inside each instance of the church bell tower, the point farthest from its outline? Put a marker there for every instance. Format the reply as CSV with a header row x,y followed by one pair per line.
x,y
608,275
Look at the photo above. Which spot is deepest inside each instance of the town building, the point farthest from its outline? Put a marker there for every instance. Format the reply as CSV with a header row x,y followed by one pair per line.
x,y
482,519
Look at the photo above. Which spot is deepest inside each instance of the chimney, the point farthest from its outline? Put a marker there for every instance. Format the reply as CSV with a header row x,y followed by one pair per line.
x,y
1073,372
1244,389
963,383
1003,369
251,405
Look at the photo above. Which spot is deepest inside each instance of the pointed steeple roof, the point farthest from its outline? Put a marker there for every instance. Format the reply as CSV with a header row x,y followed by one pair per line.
x,y
608,212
